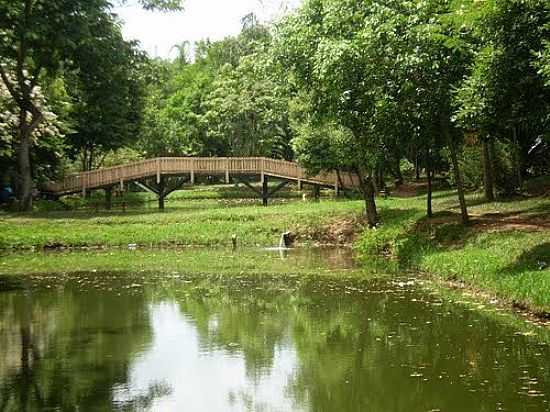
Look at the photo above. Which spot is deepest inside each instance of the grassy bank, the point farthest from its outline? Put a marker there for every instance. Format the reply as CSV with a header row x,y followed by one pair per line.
x,y
198,218
505,251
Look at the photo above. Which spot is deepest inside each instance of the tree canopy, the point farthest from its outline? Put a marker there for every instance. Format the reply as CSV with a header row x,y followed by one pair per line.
x,y
454,87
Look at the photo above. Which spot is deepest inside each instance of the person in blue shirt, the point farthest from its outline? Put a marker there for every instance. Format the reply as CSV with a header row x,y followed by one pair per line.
x,y
6,194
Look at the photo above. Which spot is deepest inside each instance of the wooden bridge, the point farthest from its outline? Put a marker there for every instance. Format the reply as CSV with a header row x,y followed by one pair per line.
x,y
165,175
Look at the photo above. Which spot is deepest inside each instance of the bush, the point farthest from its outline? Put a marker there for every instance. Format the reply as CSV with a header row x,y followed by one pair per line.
x,y
407,168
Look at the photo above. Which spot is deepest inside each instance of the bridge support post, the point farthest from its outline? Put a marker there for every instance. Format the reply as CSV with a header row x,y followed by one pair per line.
x,y
265,190
317,192
161,192
300,185
109,198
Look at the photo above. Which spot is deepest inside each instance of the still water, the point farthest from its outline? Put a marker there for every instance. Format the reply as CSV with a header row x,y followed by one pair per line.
x,y
271,342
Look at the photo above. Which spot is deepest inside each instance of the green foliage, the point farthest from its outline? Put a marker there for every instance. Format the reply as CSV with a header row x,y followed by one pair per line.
x,y
172,124
543,64
162,5
504,96
107,93
247,111
225,103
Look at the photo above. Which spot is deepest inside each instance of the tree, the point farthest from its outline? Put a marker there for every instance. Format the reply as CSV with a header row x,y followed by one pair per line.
x,y
107,91
384,72
504,97
39,37
322,45
47,138
224,103
175,104
247,111
162,5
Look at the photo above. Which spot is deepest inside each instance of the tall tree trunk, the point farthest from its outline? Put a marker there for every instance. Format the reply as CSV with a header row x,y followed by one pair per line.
x,y
24,170
374,180
417,164
381,173
456,170
429,173
517,158
396,171
368,191
488,170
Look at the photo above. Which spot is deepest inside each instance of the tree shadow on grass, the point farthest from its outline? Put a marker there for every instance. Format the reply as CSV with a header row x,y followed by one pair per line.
x,y
534,259
397,216
443,231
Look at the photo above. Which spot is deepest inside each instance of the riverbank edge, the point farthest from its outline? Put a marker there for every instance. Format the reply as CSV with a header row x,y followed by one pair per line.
x,y
411,243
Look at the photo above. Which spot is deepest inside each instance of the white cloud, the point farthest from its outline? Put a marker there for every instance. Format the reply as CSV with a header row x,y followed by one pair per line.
x,y
201,19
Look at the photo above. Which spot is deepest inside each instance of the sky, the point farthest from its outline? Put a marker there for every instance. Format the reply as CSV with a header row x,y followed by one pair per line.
x,y
214,19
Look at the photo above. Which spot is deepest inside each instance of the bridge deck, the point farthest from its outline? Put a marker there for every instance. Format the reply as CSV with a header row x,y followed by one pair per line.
x,y
192,166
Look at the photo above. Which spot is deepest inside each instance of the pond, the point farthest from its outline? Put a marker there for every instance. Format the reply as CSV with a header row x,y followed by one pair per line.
x,y
281,341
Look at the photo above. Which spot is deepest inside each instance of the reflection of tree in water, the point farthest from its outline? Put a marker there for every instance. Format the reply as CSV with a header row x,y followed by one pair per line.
x,y
145,400
405,357
382,351
242,318
68,359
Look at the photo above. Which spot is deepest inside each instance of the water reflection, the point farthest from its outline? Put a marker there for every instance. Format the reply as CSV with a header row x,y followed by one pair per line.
x,y
209,376
65,348
263,343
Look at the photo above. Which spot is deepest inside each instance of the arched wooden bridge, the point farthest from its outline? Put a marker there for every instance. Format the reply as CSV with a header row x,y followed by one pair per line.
x,y
167,174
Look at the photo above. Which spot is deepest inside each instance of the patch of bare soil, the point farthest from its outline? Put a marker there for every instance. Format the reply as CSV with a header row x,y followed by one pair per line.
x,y
417,187
495,222
410,189
343,231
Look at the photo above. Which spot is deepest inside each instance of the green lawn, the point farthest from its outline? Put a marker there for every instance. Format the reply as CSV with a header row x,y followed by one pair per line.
x,y
204,222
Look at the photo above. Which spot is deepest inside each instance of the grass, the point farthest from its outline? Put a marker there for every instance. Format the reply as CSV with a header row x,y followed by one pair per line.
x,y
198,219
505,251
191,261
